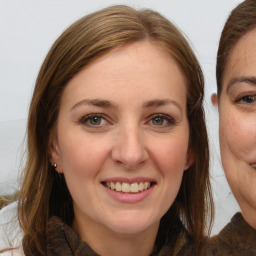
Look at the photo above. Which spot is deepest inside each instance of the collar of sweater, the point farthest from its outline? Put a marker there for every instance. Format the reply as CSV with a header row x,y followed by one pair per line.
x,y
62,240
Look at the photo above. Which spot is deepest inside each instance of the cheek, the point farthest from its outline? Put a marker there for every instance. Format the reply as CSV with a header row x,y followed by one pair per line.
x,y
171,154
238,149
81,154
81,160
237,134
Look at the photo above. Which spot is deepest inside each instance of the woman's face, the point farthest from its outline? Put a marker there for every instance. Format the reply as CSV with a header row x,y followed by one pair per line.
x,y
122,139
237,109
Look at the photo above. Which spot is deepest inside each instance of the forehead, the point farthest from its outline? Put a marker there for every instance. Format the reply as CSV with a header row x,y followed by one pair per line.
x,y
242,58
135,67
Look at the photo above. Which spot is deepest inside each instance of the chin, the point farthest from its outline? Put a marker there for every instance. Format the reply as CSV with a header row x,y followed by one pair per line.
x,y
131,225
128,229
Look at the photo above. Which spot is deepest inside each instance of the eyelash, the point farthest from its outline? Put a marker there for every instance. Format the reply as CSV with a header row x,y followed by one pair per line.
x,y
166,120
170,121
88,118
242,99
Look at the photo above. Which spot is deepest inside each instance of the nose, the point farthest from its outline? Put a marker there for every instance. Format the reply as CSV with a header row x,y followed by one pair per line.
x,y
129,149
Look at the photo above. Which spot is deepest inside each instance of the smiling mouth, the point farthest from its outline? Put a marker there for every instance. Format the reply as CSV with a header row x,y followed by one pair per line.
x,y
125,187
253,165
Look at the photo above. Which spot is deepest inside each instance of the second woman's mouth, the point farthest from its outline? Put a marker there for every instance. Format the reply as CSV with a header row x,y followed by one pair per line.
x,y
253,165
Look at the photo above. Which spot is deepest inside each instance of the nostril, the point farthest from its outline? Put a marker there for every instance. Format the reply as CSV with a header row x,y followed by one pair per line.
x,y
130,158
128,165
129,149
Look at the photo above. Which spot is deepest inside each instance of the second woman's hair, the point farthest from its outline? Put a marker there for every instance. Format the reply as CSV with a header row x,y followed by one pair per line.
x,y
240,21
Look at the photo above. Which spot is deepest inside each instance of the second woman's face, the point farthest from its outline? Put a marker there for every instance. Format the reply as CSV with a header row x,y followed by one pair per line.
x,y
122,139
237,109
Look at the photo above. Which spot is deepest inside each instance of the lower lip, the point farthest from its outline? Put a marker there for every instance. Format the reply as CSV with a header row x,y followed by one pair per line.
x,y
130,197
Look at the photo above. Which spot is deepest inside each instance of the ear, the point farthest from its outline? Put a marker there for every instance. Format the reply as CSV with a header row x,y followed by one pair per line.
x,y
190,159
54,153
214,100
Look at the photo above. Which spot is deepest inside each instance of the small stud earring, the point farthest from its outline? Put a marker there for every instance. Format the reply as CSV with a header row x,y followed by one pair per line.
x,y
54,165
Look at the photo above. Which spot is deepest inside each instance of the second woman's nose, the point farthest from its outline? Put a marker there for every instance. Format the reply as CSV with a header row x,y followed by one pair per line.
x,y
129,148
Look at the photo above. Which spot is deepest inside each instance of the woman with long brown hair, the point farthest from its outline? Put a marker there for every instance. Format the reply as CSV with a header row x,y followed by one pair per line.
x,y
118,160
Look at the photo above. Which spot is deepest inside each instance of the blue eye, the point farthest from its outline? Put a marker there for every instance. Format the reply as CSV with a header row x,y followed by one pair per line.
x,y
93,120
248,99
161,120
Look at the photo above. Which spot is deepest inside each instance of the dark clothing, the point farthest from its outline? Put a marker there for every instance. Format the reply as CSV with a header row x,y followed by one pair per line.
x,y
63,241
237,238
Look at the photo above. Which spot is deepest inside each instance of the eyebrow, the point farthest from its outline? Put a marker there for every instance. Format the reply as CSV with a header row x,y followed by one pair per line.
x,y
108,104
160,102
242,79
95,102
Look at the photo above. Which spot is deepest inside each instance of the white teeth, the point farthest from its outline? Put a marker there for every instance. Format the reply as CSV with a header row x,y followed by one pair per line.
x,y
146,185
112,185
141,186
127,188
253,165
118,186
134,188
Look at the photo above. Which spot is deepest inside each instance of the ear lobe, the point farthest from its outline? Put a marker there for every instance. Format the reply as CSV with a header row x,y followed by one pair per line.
x,y
190,159
55,155
214,100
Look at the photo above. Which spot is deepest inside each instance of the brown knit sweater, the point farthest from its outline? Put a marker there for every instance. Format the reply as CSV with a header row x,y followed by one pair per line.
x,y
237,238
63,241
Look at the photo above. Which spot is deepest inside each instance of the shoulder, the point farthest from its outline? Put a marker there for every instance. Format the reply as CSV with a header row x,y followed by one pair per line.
x,y
236,237
15,252
8,212
10,231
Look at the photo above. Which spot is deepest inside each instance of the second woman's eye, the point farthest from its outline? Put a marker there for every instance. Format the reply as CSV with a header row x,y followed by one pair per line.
x,y
248,99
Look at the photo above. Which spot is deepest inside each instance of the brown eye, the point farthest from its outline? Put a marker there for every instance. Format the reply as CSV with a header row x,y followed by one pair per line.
x,y
248,99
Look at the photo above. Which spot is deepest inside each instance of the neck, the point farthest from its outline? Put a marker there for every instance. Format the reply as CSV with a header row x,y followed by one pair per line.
x,y
109,243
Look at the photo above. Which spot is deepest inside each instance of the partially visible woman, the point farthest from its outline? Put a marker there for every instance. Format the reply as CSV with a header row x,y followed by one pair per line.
x,y
117,145
236,81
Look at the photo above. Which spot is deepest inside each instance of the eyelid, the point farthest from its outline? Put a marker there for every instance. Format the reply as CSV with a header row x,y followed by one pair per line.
x,y
86,118
240,97
171,121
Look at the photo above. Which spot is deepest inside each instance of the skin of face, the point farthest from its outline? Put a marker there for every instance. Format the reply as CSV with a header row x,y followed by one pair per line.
x,y
124,118
237,112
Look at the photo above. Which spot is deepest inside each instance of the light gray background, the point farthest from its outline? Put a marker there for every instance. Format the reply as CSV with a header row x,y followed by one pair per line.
x,y
28,29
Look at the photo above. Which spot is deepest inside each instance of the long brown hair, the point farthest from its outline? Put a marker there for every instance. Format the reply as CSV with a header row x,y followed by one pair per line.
x,y
241,20
43,192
